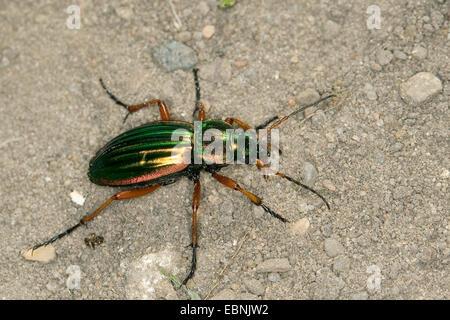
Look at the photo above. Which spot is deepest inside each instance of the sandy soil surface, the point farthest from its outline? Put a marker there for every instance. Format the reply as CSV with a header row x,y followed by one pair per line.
x,y
379,151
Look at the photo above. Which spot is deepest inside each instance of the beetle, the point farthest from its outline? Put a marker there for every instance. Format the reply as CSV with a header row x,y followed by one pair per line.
x,y
141,160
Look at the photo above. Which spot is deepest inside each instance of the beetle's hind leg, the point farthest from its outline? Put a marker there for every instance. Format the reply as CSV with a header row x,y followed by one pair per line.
x,y
194,244
163,110
118,196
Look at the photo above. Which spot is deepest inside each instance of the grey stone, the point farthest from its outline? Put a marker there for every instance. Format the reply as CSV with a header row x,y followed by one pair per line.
x,y
420,87
274,265
333,248
173,55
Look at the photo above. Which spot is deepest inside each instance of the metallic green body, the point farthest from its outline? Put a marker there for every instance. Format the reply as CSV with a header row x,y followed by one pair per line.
x,y
147,155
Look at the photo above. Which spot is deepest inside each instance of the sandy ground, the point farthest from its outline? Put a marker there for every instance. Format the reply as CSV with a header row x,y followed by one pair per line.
x,y
381,161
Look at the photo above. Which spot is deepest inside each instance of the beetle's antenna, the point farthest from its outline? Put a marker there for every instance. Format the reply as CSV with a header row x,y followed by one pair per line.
x,y
282,175
276,124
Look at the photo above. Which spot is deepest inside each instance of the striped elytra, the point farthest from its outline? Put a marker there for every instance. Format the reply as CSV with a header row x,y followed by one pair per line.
x,y
148,154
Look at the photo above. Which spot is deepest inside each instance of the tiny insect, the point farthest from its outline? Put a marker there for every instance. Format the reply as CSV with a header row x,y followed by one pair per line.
x,y
93,240
141,159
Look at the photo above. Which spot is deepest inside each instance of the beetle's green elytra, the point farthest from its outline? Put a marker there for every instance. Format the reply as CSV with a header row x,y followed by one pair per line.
x,y
143,155
161,152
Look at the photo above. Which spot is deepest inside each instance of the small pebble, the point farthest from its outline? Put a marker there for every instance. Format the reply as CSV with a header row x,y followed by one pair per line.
x,y
300,227
208,31
77,197
292,102
173,55
333,248
294,59
420,87
43,254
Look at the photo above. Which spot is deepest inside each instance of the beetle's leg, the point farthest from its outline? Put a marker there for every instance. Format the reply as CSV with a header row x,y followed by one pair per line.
x,y
230,183
163,110
282,175
118,196
194,245
241,124
198,105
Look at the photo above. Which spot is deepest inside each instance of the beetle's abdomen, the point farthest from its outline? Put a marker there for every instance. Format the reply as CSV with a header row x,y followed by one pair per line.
x,y
143,155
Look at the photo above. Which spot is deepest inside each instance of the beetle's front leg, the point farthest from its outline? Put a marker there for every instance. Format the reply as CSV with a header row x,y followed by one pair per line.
x,y
163,110
194,245
230,183
198,105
